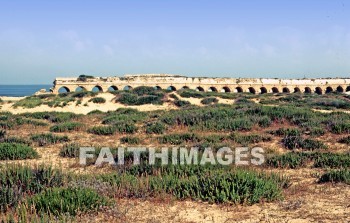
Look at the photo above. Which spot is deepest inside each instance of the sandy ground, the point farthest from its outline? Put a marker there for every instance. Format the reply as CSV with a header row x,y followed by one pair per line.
x,y
110,105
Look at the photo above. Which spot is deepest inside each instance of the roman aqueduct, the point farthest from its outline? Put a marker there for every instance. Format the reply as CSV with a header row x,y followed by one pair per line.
x,y
176,82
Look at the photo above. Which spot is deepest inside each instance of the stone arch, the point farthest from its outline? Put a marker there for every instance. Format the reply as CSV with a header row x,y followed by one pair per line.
x,y
275,90
329,90
199,88
318,90
171,88
157,88
307,90
63,89
340,89
80,89
112,88
252,90
97,88
347,88
285,90
226,89
239,89
127,88
297,90
213,89
263,90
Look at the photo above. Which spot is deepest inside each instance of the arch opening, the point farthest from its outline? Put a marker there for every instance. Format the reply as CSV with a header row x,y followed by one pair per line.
x,y
171,88
329,90
185,88
199,89
226,89
340,89
252,90
157,88
80,89
112,88
127,88
263,90
275,90
239,89
285,90
297,90
97,89
318,90
213,89
63,89
307,90
347,88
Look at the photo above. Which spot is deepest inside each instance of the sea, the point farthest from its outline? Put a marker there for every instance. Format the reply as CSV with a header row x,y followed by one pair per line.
x,y
21,90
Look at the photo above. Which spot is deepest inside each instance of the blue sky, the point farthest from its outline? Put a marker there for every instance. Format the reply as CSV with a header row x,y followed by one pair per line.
x,y
40,40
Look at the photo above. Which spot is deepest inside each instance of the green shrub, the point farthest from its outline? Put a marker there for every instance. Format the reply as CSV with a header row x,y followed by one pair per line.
x,y
66,127
12,139
173,96
249,139
155,128
48,138
14,151
98,100
291,160
208,101
16,181
95,112
332,160
134,99
315,131
125,127
340,128
130,140
70,150
286,132
264,121
82,94
181,103
177,139
103,130
28,102
345,140
143,90
336,176
191,94
2,133
72,201
54,117
84,77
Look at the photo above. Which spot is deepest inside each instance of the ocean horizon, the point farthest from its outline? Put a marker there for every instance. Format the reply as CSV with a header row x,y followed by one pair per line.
x,y
22,90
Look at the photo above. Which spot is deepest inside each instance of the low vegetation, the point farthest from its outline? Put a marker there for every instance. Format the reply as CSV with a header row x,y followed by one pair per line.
x,y
15,151
48,139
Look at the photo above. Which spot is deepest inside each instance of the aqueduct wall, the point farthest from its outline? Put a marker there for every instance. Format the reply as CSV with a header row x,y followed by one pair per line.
x,y
176,82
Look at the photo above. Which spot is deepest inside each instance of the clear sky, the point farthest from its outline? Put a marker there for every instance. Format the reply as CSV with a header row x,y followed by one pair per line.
x,y
40,40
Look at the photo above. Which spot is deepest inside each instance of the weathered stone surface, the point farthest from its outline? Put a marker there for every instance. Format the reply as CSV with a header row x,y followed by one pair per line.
x,y
176,82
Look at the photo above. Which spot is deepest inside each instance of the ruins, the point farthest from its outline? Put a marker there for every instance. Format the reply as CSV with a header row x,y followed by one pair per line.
x,y
177,82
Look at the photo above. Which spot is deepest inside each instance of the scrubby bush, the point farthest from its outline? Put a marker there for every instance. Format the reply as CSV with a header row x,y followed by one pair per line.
x,y
289,160
249,139
2,133
208,101
84,77
181,103
98,100
54,117
17,181
135,99
336,176
14,151
130,140
173,96
82,94
13,139
103,130
66,127
155,128
345,140
264,121
177,139
332,160
72,201
48,138
70,150
144,90
95,112
125,127
340,127
28,102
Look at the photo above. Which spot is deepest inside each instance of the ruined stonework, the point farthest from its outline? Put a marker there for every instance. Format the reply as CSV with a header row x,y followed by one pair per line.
x,y
177,82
